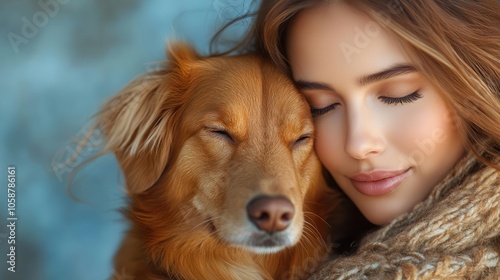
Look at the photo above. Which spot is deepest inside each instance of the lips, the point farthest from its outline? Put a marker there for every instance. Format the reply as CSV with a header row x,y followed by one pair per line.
x,y
378,182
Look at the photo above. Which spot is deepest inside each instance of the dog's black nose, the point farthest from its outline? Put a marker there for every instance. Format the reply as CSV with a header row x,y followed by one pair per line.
x,y
270,213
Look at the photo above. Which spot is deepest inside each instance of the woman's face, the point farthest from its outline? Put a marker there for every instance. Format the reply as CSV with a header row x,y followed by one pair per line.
x,y
382,130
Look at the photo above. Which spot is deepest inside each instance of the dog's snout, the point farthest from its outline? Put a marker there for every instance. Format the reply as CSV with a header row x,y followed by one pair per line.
x,y
271,213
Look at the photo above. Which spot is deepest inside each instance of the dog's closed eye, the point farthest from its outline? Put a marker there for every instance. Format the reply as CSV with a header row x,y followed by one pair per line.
x,y
221,132
302,139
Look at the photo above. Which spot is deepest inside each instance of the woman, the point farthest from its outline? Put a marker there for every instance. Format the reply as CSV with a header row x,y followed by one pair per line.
x,y
405,98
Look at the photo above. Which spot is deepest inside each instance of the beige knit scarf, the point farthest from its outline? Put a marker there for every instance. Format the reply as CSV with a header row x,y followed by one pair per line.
x,y
453,234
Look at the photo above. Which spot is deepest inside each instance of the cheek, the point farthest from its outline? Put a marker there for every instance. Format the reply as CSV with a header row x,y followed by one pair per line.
x,y
203,174
329,142
413,130
424,132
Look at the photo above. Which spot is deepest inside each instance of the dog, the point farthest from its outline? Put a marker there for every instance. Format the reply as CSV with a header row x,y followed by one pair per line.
x,y
220,171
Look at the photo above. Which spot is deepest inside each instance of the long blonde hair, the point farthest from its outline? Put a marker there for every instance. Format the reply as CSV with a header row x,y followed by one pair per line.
x,y
454,43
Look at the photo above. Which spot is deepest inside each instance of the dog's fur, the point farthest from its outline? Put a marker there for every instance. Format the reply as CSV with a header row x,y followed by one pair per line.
x,y
197,140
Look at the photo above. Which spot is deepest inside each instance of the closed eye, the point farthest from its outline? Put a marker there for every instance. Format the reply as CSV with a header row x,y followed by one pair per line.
x,y
412,97
302,139
319,112
220,133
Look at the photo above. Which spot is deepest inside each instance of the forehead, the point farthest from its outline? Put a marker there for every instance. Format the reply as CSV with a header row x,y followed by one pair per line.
x,y
245,88
340,40
243,81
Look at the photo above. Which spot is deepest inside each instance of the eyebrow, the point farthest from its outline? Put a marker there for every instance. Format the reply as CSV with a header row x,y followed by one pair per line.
x,y
312,85
398,69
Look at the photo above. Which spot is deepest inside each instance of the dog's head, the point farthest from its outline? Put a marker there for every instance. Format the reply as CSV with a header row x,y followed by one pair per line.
x,y
227,142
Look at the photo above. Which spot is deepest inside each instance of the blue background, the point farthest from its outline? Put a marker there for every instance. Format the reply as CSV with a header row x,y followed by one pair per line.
x,y
54,75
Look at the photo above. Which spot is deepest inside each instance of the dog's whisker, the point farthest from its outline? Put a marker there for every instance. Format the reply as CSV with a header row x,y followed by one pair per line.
x,y
308,234
311,231
201,224
313,227
187,213
314,214
214,231
204,222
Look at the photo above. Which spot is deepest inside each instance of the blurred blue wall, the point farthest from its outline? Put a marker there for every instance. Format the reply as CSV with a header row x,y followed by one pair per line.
x,y
59,60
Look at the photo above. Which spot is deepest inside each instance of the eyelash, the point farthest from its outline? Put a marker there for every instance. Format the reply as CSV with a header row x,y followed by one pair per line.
x,y
319,112
412,97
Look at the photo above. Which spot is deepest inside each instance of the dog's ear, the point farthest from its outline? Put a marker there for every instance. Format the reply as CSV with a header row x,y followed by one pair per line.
x,y
138,122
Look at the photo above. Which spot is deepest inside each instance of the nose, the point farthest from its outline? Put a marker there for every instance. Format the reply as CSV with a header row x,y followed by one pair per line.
x,y
270,213
364,136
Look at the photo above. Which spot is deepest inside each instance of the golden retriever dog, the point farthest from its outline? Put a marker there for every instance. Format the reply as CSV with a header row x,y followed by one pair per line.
x,y
220,170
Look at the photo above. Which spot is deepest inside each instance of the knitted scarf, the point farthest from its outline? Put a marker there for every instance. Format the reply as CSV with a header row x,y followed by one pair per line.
x,y
453,234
